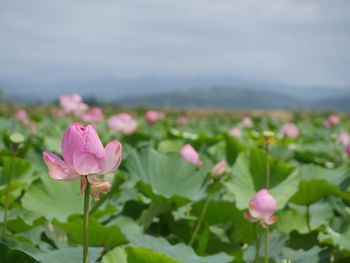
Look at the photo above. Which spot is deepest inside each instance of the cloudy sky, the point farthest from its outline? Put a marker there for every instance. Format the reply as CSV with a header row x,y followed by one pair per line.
x,y
295,42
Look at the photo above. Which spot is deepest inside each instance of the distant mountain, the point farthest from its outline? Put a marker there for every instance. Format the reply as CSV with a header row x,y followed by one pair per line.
x,y
205,92
238,98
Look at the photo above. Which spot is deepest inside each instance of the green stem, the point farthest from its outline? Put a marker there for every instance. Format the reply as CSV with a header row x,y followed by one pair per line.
x,y
205,208
86,224
8,194
257,242
267,166
266,243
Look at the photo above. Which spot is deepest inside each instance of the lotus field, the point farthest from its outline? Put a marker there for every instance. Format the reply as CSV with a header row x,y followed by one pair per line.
x,y
84,184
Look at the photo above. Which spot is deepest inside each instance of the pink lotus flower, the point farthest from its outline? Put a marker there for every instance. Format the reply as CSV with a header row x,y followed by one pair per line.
x,y
182,120
331,121
219,169
22,116
235,132
247,122
122,122
84,156
190,155
261,208
153,116
72,103
348,150
344,138
93,116
289,130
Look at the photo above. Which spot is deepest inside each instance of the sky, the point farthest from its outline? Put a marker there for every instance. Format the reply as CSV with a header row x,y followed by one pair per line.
x,y
294,42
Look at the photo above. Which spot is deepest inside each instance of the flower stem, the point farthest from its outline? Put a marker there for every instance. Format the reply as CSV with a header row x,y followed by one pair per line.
x,y
86,224
266,244
205,208
8,192
257,251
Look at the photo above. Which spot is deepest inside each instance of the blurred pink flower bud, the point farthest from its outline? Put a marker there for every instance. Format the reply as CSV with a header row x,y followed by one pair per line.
x,y
261,208
348,150
72,103
235,132
344,138
122,122
93,116
331,121
190,155
289,130
32,127
247,122
22,116
153,116
83,155
219,169
182,120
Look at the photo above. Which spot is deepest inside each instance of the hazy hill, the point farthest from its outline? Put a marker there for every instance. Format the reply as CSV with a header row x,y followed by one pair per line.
x,y
238,98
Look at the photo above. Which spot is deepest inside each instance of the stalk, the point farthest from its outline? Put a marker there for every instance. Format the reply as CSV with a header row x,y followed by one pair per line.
x,y
266,241
266,245
257,242
86,224
8,193
205,208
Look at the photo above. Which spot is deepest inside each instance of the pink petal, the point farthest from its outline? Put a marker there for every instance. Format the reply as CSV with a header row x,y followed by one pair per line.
x,y
249,217
271,220
58,169
113,156
72,142
86,163
98,186
92,143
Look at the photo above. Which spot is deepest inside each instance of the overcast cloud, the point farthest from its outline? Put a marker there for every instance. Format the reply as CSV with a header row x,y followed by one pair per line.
x,y
293,42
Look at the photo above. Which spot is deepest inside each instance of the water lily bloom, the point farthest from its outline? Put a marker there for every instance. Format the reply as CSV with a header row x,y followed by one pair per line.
x,y
72,103
331,121
93,116
348,150
344,138
182,120
153,116
22,116
219,169
84,156
247,122
261,208
235,132
289,130
190,155
122,122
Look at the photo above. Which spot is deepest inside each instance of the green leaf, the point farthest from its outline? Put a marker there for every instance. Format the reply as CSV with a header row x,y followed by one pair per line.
x,y
249,177
340,240
13,255
71,255
117,255
317,182
99,235
179,252
301,256
53,199
165,175
233,148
